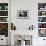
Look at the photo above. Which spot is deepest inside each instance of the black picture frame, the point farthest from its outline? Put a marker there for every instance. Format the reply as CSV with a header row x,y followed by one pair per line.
x,y
23,14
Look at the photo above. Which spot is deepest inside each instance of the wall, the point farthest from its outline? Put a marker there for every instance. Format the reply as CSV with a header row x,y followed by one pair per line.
x,y
32,6
23,24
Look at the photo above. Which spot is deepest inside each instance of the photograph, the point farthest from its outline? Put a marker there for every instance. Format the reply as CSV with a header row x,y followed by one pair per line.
x,y
23,14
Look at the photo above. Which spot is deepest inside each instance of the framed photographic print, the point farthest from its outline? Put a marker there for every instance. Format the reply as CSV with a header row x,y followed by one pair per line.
x,y
23,14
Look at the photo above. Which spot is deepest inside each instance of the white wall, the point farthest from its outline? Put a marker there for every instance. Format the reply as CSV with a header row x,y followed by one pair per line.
x,y
23,24
32,6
